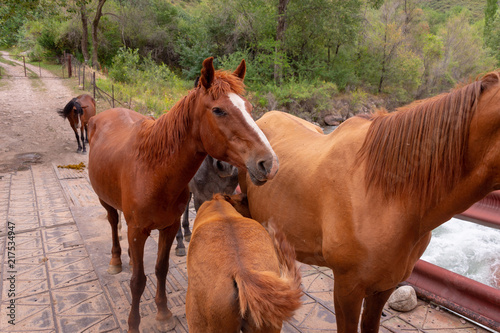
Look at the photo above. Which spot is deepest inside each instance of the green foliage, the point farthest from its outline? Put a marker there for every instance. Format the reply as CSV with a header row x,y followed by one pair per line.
x,y
154,88
404,49
125,65
307,99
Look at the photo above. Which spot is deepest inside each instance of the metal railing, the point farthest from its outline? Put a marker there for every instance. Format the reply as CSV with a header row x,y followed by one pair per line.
x,y
469,298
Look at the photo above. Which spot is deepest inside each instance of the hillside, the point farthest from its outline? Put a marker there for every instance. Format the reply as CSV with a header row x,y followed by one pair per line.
x,y
475,6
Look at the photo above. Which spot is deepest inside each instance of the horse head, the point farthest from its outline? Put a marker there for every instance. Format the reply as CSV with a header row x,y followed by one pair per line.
x,y
221,168
226,128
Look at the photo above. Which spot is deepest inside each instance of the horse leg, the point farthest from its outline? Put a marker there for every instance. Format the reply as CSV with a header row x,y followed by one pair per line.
x,y
347,300
180,249
86,133
164,316
372,311
136,240
83,138
77,138
115,265
185,221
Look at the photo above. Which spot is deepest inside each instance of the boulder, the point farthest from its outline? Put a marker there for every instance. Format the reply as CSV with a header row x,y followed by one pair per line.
x,y
332,120
403,299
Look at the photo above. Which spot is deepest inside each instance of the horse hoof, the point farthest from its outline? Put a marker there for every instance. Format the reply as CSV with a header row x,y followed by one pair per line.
x,y
180,252
187,238
114,269
166,325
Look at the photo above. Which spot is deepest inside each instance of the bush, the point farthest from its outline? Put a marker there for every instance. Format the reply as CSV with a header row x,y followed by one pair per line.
x,y
125,65
308,100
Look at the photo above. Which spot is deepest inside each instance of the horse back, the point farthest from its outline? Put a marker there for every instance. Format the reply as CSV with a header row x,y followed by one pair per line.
x,y
220,268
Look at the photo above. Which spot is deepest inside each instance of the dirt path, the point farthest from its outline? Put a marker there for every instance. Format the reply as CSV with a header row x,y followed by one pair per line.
x,y
31,131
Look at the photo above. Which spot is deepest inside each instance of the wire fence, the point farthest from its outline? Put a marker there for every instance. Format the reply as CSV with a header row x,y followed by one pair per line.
x,y
87,81
70,67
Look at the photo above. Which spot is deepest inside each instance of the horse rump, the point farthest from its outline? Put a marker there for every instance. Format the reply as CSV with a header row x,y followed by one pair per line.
x,y
264,298
68,108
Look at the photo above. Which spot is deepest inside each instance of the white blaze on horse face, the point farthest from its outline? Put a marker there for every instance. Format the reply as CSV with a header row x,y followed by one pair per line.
x,y
240,105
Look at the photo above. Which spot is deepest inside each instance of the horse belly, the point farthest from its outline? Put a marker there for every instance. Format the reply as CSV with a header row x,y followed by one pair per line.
x,y
111,160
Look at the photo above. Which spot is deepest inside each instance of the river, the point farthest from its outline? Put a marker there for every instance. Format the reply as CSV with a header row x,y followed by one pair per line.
x,y
468,249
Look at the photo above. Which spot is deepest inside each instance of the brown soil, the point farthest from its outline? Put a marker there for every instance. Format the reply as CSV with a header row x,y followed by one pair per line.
x,y
31,131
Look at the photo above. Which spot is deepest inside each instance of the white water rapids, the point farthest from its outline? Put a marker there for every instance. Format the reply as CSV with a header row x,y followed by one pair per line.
x,y
468,249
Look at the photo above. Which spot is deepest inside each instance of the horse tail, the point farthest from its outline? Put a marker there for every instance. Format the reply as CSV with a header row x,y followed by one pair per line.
x,y
265,298
66,111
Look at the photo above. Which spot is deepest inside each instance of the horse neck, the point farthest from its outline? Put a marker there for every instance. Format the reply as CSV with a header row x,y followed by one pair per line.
x,y
170,142
481,162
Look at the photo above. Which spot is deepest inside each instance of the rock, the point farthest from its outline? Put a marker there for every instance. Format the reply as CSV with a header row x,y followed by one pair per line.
x,y
332,120
403,299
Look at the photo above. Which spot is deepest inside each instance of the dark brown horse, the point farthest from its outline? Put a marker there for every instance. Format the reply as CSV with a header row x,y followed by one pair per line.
x,y
78,112
375,188
142,167
212,177
240,278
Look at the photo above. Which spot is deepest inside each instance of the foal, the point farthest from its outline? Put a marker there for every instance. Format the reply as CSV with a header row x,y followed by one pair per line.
x,y
245,280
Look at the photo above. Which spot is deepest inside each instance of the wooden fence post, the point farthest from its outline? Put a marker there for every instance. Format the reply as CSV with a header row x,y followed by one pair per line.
x,y
93,79
69,66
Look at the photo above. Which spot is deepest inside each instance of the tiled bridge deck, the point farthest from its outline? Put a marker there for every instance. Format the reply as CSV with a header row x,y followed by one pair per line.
x,y
62,248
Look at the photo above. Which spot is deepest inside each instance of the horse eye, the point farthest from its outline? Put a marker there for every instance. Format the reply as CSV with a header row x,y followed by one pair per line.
x,y
218,112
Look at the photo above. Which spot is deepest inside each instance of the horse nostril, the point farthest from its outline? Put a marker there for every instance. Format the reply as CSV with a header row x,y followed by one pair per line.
x,y
261,166
220,166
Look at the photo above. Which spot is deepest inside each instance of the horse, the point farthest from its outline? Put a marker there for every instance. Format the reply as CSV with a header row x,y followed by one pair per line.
x,y
212,177
246,280
142,167
78,111
364,199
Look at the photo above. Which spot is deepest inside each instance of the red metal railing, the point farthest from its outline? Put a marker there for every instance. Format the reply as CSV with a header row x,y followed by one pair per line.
x,y
470,298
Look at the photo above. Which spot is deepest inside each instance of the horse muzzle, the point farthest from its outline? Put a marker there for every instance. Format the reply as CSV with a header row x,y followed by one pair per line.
x,y
263,170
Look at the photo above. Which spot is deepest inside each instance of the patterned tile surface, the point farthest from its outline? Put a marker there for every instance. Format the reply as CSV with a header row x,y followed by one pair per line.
x,y
59,283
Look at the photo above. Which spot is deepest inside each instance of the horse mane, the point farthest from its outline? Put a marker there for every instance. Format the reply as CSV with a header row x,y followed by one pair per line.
x,y
157,139
419,151
66,111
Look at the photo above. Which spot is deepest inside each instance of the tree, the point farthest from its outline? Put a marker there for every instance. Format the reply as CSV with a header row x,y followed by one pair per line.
x,y
489,18
95,25
280,40
85,29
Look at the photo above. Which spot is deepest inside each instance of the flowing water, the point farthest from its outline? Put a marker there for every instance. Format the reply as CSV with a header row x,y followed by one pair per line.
x,y
468,249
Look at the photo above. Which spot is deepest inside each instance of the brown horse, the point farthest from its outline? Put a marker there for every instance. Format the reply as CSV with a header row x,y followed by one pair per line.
x,y
240,278
142,167
364,199
78,112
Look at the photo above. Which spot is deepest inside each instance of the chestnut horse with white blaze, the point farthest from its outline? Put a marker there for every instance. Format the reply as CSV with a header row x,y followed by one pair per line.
x,y
239,277
142,167
364,199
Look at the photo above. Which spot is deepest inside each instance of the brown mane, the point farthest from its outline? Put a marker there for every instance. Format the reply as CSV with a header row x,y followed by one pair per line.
x,y
419,150
158,139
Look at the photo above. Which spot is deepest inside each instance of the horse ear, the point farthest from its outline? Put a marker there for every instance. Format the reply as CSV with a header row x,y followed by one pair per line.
x,y
241,70
207,72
